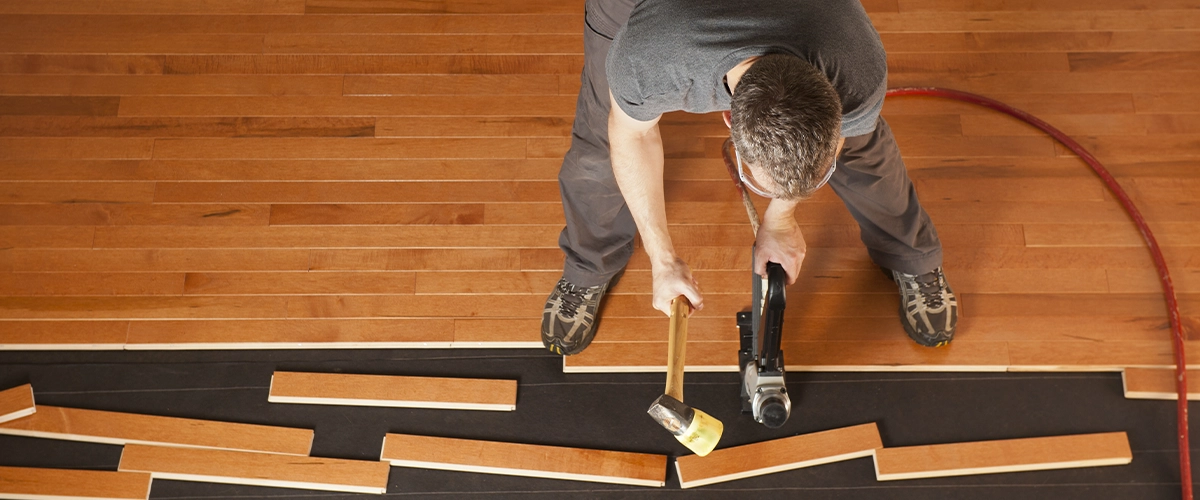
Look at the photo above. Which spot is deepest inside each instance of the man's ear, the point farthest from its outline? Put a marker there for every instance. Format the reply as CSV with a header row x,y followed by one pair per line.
x,y
728,119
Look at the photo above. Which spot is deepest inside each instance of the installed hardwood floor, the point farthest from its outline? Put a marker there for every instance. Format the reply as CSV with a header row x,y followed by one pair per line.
x,y
337,173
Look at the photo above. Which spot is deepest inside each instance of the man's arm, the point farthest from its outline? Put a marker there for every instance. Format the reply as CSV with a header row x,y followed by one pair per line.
x,y
636,151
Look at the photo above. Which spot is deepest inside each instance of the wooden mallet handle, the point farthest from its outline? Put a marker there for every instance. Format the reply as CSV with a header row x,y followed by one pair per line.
x,y
677,346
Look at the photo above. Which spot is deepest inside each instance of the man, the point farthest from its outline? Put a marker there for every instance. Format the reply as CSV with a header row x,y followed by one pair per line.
x,y
803,82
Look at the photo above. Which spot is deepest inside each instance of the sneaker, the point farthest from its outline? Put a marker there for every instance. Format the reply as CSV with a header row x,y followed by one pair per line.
x,y
569,320
928,307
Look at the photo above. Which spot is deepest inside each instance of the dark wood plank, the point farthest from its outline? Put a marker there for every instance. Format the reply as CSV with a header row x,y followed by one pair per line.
x,y
58,106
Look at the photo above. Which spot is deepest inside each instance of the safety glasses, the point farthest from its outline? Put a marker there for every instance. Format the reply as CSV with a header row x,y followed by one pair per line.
x,y
748,180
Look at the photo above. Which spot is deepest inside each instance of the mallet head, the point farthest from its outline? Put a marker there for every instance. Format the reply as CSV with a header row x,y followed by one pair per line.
x,y
696,430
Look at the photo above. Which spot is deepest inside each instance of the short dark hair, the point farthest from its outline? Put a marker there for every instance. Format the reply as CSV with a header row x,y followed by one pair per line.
x,y
787,120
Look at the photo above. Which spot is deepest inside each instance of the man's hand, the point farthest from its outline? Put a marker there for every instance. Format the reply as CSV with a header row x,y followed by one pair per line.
x,y
780,240
673,278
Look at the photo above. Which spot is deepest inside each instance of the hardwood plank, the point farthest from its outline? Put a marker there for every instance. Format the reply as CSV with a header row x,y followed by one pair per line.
x,y
158,260
157,7
389,333
901,355
360,192
1041,305
58,105
186,127
345,106
158,85
1167,145
1025,190
324,147
80,64
1172,124
506,85
305,170
436,306
474,126
376,214
393,391
1099,20
571,24
256,469
77,148
1154,190
300,283
95,426
553,462
47,484
327,237
1135,61
499,333
128,307
1152,383
322,64
122,43
62,335
419,259
1146,280
1030,5
440,7
91,284
77,192
79,212
1166,102
46,236
1009,455
1096,356
1062,83
1079,103
1111,235
15,403
779,455
1051,41
422,44
908,62
1074,125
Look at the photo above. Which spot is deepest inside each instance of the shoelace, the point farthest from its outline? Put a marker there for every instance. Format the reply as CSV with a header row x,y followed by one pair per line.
x,y
929,285
572,298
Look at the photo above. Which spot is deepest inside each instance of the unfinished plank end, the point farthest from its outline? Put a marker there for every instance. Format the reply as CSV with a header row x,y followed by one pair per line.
x,y
1152,383
38,483
768,457
16,403
393,391
256,469
516,459
1010,455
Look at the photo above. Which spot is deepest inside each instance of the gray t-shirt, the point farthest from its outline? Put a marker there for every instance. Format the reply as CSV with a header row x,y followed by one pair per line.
x,y
672,55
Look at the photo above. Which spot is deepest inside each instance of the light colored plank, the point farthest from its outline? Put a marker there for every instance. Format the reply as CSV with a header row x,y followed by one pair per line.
x,y
327,64
768,457
299,283
285,237
95,426
296,106
72,192
442,194
1010,455
508,85
46,236
69,484
256,469
336,148
1025,41
1147,280
114,126
109,7
379,333
78,148
158,260
359,24
1179,60
1064,83
16,402
422,44
62,335
515,459
1112,356
91,284
71,213
1109,235
229,85
393,391
857,356
440,7
383,214
1157,383
420,259
81,43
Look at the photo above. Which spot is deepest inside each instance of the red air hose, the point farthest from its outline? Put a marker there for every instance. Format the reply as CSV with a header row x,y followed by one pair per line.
x,y
1185,467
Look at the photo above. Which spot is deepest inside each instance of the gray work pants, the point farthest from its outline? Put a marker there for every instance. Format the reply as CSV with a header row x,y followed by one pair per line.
x,y
598,240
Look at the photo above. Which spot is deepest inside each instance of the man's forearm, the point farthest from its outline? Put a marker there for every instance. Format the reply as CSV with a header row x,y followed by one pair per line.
x,y
637,163
780,213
